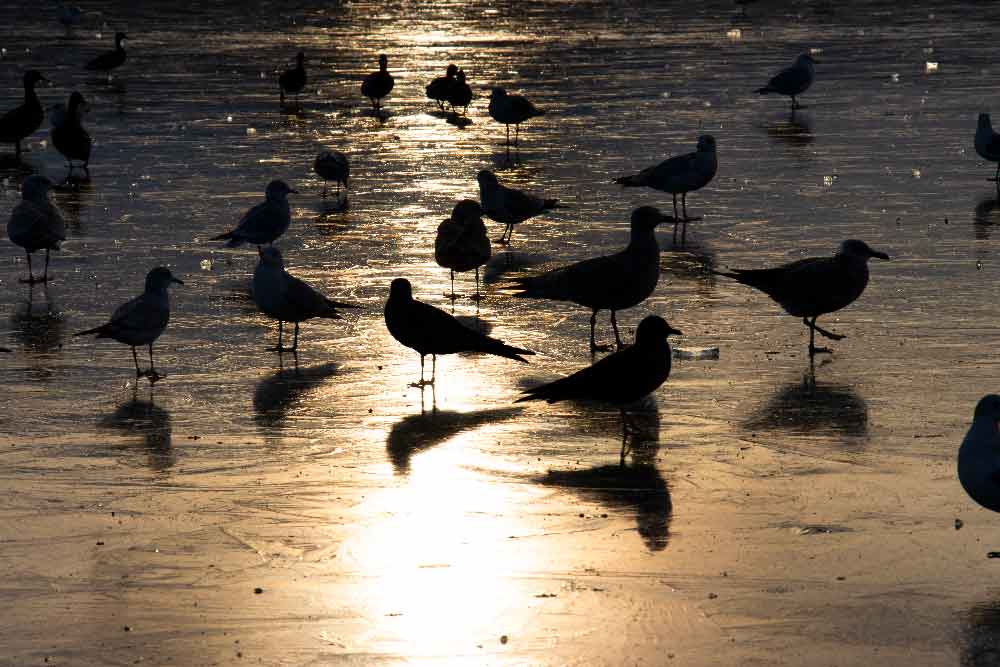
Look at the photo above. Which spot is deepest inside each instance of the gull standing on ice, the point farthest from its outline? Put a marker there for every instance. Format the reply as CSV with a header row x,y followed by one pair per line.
x,y
110,60
265,222
619,378
793,80
509,206
988,144
462,243
293,80
430,330
979,455
378,84
440,88
141,320
36,223
511,110
20,122
679,175
814,286
69,136
285,298
614,282
333,166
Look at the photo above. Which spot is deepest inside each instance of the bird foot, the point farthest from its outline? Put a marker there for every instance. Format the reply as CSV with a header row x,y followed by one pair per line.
x,y
476,297
993,180
813,350
830,334
452,296
153,376
32,280
281,348
502,241
599,348
422,384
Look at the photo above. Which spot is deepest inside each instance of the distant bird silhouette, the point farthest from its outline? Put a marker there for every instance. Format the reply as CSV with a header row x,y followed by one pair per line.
x,y
460,94
509,206
68,135
36,223
793,80
265,222
679,175
440,88
293,80
462,243
110,60
21,122
814,286
511,110
141,320
333,166
378,84
70,16
619,378
988,144
615,282
285,298
430,330
978,460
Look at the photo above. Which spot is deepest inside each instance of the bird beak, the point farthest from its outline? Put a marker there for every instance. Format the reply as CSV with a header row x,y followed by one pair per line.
x,y
667,218
177,280
294,192
880,255
676,332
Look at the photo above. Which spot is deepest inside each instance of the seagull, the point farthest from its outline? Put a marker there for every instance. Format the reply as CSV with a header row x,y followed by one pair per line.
x,y
460,94
68,135
511,110
462,243
333,166
679,175
20,122
619,378
430,330
988,144
509,206
293,80
440,88
378,84
36,223
793,80
109,60
141,320
979,455
613,282
265,222
814,286
286,298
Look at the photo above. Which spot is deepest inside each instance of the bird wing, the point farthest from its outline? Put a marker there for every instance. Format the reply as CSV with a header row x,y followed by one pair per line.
x,y
602,380
258,221
590,281
790,79
305,300
521,106
521,205
36,226
138,314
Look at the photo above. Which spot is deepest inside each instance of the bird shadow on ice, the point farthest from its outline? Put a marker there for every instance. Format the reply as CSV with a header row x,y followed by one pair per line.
x,y
417,433
984,218
794,128
689,262
151,423
37,323
73,197
511,261
980,635
275,397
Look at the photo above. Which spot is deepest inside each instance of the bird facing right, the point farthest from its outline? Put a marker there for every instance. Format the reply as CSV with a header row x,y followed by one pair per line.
x,y
814,286
36,223
509,206
511,110
266,221
110,60
793,80
979,454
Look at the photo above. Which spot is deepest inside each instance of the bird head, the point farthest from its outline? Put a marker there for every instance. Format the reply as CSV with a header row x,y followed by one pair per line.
x,y
706,143
467,209
271,256
300,57
646,218
120,37
460,76
498,93
160,278
452,70
653,329
859,249
400,289
33,76
984,122
383,62
278,190
487,179
989,408
77,104
806,59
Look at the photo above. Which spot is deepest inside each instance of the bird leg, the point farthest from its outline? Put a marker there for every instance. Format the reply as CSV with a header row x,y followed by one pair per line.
x,y
508,138
795,105
477,296
594,347
295,339
279,348
684,209
135,358
151,373
517,132
423,383
452,296
614,325
45,274
825,333
31,276
812,338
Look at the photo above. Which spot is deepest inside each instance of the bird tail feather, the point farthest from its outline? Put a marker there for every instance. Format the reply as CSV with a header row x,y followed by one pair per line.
x,y
629,181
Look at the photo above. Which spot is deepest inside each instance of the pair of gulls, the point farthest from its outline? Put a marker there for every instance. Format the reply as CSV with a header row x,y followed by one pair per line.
x,y
374,86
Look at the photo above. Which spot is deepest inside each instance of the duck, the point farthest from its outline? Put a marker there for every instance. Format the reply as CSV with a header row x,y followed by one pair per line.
x,y
440,88
69,137
293,80
21,122
378,84
110,60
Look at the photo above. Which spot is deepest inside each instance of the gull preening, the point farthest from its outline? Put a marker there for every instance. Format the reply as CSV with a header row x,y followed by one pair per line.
x,y
110,60
460,94
679,175
511,110
614,282
378,84
429,330
814,286
619,378
293,80
440,88
141,320
508,205
793,80
988,144
21,122
69,136
978,463
285,298
36,223
333,166
266,221
462,244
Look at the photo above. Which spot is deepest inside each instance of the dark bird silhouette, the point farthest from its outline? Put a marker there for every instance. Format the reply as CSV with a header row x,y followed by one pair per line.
x,y
987,144
460,94
511,110
461,243
619,378
440,88
293,80
69,136
284,297
614,282
141,320
36,223
508,205
430,330
21,122
378,84
679,175
814,286
979,455
110,60
793,80
333,166
265,222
